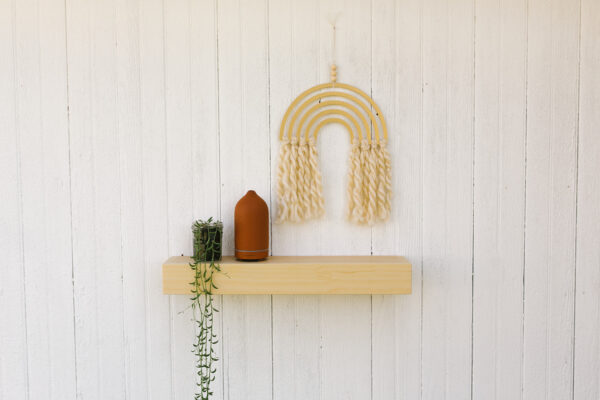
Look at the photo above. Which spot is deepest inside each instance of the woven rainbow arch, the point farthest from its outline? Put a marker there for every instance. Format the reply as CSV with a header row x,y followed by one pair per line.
x,y
299,186
353,97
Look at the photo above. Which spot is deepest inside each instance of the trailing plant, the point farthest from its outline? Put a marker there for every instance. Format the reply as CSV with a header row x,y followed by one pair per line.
x,y
207,254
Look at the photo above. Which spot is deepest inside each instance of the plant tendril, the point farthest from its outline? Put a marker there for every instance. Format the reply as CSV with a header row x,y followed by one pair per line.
x,y
207,253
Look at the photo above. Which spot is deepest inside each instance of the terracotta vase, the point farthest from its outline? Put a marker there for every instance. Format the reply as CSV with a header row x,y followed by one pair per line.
x,y
251,228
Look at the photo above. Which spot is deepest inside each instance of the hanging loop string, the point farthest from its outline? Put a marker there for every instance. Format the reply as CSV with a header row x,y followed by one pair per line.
x,y
333,72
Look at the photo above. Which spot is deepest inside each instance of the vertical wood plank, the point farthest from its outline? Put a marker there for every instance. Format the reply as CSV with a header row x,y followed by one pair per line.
x,y
180,183
154,185
243,105
59,312
244,165
447,198
205,136
552,88
345,321
204,109
132,202
82,197
587,301
397,83
294,66
28,82
96,193
353,59
192,137
43,130
499,190
13,329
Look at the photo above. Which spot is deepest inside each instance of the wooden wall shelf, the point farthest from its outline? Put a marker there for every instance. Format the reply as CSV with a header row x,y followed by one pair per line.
x,y
298,275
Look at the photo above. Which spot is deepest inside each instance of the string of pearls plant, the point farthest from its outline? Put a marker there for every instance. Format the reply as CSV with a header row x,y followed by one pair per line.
x,y
207,254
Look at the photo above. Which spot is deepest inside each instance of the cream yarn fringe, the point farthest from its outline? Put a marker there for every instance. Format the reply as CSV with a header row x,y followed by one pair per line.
x,y
299,183
300,188
369,183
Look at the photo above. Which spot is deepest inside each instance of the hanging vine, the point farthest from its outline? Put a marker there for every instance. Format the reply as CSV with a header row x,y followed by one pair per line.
x,y
207,253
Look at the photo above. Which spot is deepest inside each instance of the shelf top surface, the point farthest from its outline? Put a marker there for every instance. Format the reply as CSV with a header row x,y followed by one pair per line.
x,y
296,260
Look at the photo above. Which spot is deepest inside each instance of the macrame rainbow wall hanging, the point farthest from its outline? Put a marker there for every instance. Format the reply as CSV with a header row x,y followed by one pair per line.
x,y
299,186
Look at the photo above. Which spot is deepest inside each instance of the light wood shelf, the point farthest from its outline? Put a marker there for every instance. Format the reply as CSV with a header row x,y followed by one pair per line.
x,y
298,275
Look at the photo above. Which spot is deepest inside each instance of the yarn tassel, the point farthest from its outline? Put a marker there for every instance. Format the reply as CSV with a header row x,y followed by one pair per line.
x,y
283,188
387,179
358,194
303,175
382,207
371,184
353,165
294,199
317,203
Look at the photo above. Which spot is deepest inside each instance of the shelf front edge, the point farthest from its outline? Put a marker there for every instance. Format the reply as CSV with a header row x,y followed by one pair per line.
x,y
298,275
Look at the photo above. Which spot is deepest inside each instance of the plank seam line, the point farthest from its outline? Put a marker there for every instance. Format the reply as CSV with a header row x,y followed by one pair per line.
x,y
268,36
268,25
497,307
473,121
73,302
40,126
447,56
320,252
90,102
191,127
371,228
525,139
576,205
549,215
218,122
421,195
191,107
20,191
119,166
166,143
146,261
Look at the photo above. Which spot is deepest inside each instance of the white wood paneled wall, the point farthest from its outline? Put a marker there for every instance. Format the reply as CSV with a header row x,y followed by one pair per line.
x,y
122,121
